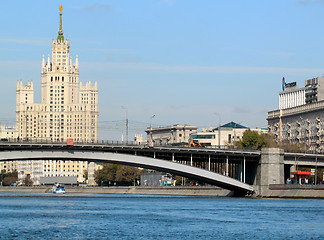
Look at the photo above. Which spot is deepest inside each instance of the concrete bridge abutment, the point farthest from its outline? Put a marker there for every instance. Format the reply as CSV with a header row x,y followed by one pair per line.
x,y
91,174
270,170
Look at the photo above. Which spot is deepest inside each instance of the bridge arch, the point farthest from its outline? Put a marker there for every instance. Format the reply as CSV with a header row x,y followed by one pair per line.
x,y
131,160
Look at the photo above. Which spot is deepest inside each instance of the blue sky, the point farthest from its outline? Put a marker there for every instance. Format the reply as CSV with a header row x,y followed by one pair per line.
x,y
181,60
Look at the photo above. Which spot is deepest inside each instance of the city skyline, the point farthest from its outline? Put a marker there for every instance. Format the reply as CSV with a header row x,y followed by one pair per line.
x,y
179,60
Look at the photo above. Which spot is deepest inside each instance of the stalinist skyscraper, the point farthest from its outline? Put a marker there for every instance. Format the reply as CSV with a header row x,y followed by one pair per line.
x,y
68,109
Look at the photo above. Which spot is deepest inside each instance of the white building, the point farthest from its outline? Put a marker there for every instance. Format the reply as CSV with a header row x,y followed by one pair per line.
x,y
68,110
292,96
224,137
139,140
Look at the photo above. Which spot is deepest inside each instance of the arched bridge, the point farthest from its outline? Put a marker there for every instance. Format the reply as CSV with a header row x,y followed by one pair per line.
x,y
108,155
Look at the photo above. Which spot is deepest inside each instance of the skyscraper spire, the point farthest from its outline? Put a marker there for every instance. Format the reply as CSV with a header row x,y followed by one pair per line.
x,y
60,37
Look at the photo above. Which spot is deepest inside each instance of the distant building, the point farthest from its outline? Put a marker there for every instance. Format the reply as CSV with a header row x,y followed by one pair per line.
x,y
8,134
170,135
138,139
68,110
225,136
314,90
300,122
291,96
8,166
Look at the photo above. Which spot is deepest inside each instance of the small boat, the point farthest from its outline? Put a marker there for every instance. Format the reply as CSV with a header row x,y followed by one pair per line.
x,y
57,188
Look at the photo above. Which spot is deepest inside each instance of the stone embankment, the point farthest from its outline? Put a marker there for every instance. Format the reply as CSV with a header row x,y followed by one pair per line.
x,y
176,191
294,191
275,191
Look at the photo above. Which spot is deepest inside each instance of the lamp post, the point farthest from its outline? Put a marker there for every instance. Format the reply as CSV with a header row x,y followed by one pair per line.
x,y
153,116
316,171
125,108
219,126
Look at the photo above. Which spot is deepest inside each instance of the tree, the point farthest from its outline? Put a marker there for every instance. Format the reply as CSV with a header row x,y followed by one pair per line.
x,y
287,146
8,178
28,181
85,174
122,175
252,140
126,175
106,174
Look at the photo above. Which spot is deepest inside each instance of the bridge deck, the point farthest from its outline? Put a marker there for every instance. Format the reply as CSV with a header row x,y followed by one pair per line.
x,y
110,154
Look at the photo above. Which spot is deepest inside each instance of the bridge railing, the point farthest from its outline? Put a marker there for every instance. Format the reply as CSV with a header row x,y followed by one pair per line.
x,y
47,141
116,143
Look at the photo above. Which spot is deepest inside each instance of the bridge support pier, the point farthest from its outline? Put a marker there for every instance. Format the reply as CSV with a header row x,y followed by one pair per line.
x,y
271,169
91,174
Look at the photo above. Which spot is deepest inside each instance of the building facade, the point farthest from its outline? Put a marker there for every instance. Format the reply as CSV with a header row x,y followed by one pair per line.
x,y
291,96
68,110
302,123
8,133
175,134
299,125
225,136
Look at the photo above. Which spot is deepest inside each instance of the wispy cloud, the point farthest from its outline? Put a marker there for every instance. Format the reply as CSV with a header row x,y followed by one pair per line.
x,y
169,2
37,42
308,2
5,65
238,109
282,54
140,66
133,65
98,7
303,2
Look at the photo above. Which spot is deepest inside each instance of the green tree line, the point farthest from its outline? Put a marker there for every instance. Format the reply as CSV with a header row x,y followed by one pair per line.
x,y
121,175
254,140
8,178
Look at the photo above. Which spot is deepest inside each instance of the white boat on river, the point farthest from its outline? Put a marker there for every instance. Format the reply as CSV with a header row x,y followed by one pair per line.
x,y
57,188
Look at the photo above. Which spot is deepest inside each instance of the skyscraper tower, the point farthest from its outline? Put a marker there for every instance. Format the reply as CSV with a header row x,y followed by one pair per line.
x,y
68,109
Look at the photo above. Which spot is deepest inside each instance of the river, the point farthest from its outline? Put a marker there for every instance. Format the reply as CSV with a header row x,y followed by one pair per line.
x,y
103,216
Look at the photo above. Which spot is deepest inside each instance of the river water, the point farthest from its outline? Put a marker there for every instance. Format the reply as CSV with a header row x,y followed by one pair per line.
x,y
46,216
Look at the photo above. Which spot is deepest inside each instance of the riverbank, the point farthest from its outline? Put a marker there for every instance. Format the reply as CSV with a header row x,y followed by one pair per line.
x,y
294,191
175,191
275,191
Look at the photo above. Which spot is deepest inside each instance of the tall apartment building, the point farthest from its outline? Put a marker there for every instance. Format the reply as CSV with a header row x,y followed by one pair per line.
x,y
300,117
68,109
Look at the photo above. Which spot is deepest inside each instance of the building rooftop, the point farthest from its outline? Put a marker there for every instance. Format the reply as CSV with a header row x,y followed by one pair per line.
x,y
231,125
173,127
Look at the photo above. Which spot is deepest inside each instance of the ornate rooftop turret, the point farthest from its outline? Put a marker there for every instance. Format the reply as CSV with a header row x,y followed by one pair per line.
x,y
60,37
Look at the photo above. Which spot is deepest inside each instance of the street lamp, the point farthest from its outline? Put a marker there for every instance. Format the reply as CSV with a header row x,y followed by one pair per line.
x,y
125,108
153,116
219,126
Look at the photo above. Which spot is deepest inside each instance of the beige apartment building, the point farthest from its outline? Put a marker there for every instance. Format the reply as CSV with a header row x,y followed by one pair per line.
x,y
68,110
8,133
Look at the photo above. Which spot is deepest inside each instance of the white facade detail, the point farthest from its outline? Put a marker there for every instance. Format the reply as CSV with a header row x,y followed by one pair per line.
x,y
291,98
